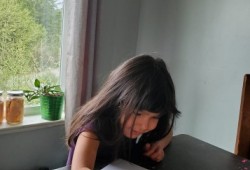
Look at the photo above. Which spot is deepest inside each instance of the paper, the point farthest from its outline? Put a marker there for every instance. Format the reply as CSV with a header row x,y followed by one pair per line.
x,y
121,164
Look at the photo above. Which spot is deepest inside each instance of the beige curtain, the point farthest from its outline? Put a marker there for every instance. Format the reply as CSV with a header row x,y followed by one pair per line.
x,y
77,53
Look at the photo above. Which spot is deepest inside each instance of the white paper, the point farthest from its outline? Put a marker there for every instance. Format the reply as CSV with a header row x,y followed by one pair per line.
x,y
121,164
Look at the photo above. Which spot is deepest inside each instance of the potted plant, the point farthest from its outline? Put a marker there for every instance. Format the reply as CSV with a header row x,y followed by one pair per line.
x,y
51,99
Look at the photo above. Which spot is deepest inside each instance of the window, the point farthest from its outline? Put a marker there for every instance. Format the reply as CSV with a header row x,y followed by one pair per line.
x,y
30,43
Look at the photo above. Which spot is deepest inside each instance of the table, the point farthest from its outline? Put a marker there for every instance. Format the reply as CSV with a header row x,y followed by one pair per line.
x,y
188,153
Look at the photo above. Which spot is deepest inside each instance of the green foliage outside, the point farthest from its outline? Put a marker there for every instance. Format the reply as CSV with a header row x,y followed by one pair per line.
x,y
30,40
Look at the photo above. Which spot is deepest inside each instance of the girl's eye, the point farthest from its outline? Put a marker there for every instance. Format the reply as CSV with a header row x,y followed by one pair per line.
x,y
156,116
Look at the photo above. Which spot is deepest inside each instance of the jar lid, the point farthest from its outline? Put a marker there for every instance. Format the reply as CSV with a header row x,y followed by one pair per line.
x,y
15,93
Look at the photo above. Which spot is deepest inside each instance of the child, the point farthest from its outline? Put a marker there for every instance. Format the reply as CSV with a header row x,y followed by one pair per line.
x,y
132,115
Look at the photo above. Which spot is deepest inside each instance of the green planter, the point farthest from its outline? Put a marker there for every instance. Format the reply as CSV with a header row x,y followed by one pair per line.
x,y
51,107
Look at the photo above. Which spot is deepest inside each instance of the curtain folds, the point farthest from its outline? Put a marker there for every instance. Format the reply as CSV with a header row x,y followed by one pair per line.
x,y
77,53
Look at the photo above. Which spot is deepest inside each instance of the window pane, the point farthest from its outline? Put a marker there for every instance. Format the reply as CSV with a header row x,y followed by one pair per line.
x,y
30,42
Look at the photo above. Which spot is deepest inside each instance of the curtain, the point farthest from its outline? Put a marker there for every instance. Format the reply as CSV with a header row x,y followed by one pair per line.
x,y
77,53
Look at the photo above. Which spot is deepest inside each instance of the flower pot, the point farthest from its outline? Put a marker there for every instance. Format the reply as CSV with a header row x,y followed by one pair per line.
x,y
51,107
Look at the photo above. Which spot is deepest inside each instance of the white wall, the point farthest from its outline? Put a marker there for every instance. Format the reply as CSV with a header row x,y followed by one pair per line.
x,y
206,45
32,149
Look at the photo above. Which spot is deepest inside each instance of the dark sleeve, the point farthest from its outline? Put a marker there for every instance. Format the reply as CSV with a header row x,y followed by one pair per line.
x,y
89,127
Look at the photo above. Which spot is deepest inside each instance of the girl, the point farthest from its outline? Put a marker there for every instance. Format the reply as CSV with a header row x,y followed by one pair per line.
x,y
132,115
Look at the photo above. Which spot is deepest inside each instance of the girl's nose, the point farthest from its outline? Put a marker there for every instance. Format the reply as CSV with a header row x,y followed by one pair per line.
x,y
145,126
148,125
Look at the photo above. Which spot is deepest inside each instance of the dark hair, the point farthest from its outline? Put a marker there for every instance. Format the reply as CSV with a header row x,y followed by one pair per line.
x,y
140,83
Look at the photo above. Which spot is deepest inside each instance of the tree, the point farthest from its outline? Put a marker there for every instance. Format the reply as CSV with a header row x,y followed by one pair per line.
x,y
46,13
20,35
30,37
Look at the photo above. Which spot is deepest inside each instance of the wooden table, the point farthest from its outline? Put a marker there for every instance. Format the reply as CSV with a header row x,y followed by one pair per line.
x,y
188,153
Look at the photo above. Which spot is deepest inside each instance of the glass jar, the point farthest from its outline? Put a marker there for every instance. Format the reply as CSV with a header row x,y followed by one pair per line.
x,y
1,107
14,107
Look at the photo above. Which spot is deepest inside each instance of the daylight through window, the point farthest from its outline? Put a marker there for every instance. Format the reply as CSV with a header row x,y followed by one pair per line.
x,y
30,42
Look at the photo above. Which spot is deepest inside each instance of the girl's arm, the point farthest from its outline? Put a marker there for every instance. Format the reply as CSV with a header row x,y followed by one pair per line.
x,y
85,151
156,150
167,139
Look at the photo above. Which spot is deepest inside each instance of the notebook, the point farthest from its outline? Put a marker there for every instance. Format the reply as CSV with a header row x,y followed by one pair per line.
x,y
121,164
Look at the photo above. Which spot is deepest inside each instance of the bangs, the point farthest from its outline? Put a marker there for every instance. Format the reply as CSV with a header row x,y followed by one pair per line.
x,y
153,100
153,103
150,95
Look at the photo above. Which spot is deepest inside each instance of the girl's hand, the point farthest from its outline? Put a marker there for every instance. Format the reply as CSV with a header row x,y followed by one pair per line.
x,y
155,151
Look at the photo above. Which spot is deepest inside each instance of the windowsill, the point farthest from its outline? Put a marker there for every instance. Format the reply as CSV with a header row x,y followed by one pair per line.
x,y
30,122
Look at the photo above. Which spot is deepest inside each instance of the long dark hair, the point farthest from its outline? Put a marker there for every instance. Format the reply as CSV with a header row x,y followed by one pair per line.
x,y
140,83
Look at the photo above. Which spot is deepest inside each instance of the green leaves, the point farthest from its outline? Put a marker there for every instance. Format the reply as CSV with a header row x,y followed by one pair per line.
x,y
42,90
37,83
31,95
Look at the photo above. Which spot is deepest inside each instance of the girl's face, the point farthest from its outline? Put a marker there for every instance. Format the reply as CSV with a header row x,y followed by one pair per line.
x,y
137,124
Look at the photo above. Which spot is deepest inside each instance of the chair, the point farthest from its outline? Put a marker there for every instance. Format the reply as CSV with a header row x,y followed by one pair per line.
x,y
242,147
